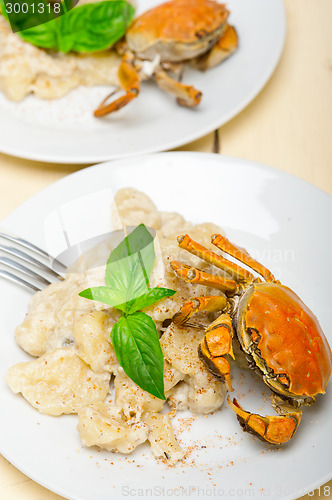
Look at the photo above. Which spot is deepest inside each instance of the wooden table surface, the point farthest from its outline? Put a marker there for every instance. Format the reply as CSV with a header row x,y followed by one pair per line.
x,y
288,126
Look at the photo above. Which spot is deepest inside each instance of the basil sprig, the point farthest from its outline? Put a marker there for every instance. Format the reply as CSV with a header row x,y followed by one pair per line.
x,y
88,28
134,337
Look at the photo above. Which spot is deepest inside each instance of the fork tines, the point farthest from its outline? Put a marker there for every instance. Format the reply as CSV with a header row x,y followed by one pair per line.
x,y
38,268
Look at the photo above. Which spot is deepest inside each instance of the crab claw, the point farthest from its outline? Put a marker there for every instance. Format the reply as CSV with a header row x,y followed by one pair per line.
x,y
130,83
274,430
106,108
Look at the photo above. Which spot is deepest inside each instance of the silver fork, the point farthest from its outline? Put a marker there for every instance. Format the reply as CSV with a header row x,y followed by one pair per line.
x,y
39,273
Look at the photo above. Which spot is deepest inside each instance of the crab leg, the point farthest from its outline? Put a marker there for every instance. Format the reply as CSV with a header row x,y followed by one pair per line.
x,y
242,255
274,430
195,248
215,345
130,83
210,303
193,275
186,94
225,46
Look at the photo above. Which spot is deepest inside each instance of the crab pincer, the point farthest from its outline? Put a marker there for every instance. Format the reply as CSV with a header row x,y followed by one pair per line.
x,y
272,429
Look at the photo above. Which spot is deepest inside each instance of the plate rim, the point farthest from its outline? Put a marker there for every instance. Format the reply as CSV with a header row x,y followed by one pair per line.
x,y
117,164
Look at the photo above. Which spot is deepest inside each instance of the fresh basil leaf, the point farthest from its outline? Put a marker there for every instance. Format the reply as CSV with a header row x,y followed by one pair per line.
x,y
149,298
45,36
130,264
96,26
88,28
35,12
3,10
105,295
116,299
125,283
136,344
69,4
139,241
127,278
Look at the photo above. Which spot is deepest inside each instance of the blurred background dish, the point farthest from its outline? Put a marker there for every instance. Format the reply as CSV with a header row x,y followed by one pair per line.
x,y
65,131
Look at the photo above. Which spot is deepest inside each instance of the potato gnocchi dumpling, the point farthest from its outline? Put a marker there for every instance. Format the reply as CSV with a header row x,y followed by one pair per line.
x,y
171,376
105,426
58,382
51,316
161,437
204,392
77,371
177,397
132,400
92,337
131,206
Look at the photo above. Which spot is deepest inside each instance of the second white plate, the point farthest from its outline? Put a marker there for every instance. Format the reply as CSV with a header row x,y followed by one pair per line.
x,y
65,131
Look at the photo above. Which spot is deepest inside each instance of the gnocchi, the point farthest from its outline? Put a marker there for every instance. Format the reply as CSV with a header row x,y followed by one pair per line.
x,y
58,382
76,369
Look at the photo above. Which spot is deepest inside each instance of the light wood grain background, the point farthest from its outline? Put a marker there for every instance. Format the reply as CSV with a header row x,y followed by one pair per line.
x,y
288,126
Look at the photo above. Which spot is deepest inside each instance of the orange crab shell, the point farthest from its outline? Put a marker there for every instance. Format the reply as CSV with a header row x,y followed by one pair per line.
x,y
183,21
290,339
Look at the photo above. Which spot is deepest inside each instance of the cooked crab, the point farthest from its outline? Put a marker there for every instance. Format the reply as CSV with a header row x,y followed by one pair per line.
x,y
281,338
162,39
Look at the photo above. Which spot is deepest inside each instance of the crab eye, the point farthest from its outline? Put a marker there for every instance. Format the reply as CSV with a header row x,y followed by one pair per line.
x,y
201,33
254,335
284,380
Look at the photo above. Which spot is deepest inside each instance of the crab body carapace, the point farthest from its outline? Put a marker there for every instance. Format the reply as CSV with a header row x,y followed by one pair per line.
x,y
285,340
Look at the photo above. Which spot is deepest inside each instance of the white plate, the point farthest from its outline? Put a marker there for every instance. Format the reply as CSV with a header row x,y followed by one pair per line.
x,y
64,131
282,221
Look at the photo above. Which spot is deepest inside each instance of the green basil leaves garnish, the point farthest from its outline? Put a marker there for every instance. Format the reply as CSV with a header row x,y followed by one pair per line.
x,y
136,343
134,337
88,28
147,299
